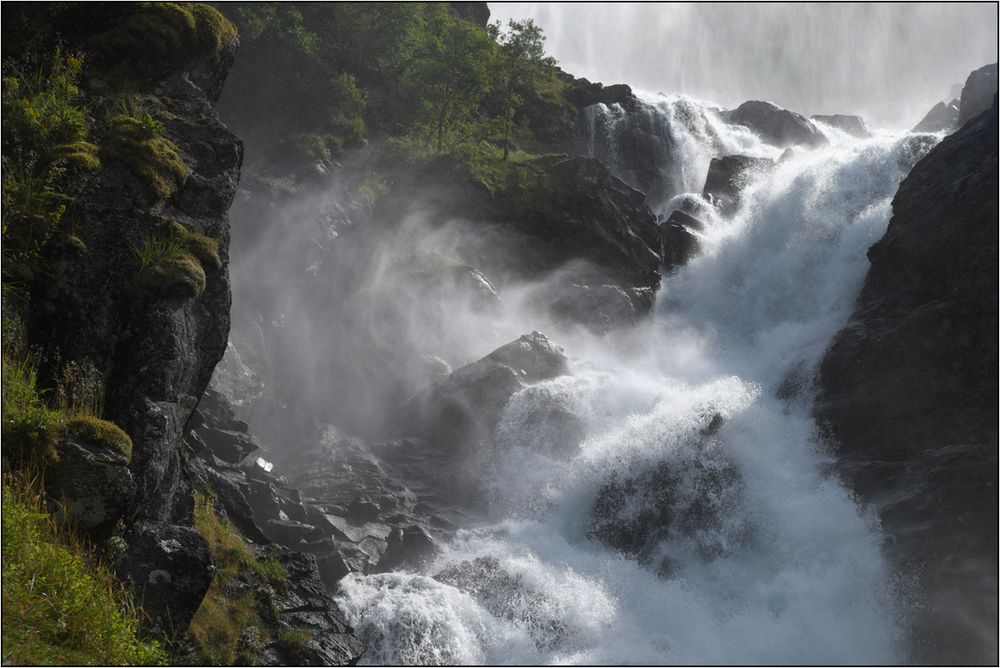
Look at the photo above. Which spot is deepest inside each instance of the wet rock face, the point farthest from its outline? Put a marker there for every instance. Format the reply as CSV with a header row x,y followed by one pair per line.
x,y
306,607
600,308
170,568
775,125
941,118
678,241
908,391
852,125
977,95
93,485
691,502
508,597
727,176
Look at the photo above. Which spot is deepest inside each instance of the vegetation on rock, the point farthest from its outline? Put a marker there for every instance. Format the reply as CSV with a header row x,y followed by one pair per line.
x,y
137,139
227,628
59,605
96,431
172,262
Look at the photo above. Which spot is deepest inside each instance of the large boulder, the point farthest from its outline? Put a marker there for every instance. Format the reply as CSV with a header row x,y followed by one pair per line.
x,y
729,175
170,568
464,408
777,126
977,95
943,117
600,308
92,483
852,125
908,392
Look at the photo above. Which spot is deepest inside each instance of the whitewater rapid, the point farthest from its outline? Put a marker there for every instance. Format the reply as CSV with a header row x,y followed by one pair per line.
x,y
796,574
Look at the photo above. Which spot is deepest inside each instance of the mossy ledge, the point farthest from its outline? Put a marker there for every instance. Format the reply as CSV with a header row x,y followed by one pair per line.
x,y
96,431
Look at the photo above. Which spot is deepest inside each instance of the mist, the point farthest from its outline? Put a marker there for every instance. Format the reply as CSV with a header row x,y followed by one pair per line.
x,y
888,62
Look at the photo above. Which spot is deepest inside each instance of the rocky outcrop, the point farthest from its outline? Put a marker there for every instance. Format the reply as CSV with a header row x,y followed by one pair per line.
x,y
978,93
852,125
943,117
777,126
600,308
908,392
464,409
729,175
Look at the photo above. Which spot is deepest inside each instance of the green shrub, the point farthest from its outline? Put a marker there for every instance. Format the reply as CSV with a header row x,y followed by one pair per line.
x,y
96,431
293,641
136,139
219,628
60,607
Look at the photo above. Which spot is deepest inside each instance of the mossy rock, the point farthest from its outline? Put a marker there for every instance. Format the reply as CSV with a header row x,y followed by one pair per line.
x,y
158,36
152,157
178,276
205,248
96,431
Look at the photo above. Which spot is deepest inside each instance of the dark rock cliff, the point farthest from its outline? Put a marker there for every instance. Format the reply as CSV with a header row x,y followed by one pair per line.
x,y
909,392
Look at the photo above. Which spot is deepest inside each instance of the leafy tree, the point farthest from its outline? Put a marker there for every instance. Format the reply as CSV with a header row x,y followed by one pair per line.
x,y
450,74
521,64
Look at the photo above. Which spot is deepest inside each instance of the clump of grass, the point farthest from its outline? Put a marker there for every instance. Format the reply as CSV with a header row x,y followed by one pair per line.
x,y
96,431
172,262
59,606
221,626
136,138
30,427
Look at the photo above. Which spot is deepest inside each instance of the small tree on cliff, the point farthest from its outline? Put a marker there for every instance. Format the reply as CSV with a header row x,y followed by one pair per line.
x,y
520,65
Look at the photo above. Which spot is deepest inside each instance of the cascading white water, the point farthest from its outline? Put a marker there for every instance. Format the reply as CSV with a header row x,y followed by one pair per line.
x,y
791,572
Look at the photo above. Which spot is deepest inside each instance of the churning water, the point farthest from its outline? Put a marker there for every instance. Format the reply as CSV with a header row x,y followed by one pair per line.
x,y
785,567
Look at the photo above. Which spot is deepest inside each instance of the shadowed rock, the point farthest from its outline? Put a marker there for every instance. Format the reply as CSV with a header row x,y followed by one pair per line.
x,y
977,95
941,118
852,125
777,126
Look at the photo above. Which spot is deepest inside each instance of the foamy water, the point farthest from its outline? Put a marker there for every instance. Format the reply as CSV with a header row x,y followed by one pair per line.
x,y
795,573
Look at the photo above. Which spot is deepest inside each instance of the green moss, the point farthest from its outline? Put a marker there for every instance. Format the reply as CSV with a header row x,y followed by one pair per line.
x,y
205,248
159,36
59,607
150,155
178,276
98,432
220,626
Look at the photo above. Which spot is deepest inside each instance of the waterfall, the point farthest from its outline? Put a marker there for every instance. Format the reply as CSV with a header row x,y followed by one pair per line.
x,y
706,410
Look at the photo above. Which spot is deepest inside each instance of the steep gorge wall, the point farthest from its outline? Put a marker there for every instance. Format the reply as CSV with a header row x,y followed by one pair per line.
x,y
908,392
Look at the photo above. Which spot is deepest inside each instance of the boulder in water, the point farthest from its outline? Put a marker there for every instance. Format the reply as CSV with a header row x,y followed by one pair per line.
x,y
727,176
977,95
678,242
600,308
409,548
777,126
941,118
852,125
466,406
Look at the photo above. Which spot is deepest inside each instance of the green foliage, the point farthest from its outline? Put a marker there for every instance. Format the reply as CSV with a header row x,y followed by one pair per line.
x,y
136,138
219,627
45,129
174,277
29,425
100,432
59,607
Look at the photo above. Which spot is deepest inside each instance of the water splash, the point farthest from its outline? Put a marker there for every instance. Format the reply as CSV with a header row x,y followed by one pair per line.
x,y
786,568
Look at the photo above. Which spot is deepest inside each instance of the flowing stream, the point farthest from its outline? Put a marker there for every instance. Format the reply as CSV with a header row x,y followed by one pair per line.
x,y
788,570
